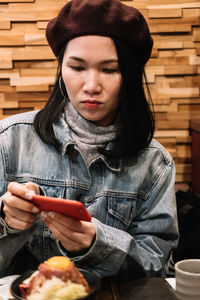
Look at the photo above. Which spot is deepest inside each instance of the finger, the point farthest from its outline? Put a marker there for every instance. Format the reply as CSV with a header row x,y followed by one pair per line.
x,y
67,242
83,240
19,214
62,229
71,223
33,187
13,222
20,190
11,201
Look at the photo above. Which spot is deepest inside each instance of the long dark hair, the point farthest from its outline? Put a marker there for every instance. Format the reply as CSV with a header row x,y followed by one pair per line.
x,y
135,111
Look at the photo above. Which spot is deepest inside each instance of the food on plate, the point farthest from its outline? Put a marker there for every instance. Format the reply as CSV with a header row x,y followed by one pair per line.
x,y
57,279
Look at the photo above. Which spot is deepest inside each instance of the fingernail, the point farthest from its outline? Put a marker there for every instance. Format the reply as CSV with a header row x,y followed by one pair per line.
x,y
29,195
43,215
50,214
35,209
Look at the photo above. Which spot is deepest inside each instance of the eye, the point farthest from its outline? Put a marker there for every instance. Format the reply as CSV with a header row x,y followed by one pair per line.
x,y
77,68
109,70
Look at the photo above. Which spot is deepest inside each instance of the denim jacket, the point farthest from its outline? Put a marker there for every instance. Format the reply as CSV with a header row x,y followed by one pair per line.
x,y
132,204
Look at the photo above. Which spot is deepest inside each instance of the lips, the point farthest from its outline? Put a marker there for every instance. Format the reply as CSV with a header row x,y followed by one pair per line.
x,y
91,103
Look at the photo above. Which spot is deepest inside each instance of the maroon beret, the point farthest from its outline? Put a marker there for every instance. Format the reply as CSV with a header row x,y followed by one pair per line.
x,y
100,17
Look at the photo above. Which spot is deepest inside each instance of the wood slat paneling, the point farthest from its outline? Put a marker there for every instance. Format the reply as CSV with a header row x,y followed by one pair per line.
x,y
28,67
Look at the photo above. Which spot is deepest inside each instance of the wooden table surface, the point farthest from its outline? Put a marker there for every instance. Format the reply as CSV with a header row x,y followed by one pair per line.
x,y
139,289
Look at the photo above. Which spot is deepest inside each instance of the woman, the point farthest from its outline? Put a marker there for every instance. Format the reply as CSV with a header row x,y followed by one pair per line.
x,y
93,143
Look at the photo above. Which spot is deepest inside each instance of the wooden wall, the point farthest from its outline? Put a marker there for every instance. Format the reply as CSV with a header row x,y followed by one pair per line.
x,y
28,67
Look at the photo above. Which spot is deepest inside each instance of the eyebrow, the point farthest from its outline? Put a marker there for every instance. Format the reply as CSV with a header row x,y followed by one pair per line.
x,y
106,61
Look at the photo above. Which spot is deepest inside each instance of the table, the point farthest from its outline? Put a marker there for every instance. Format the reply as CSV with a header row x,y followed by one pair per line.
x,y
139,289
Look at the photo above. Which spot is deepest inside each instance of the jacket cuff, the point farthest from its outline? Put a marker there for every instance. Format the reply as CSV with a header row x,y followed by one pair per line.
x,y
101,247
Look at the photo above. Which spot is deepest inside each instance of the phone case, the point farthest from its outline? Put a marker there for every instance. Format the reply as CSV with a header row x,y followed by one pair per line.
x,y
71,208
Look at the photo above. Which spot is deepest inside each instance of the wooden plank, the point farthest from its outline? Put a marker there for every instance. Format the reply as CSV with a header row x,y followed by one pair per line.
x,y
167,28
192,12
7,88
2,97
178,37
3,7
45,15
184,151
186,107
6,59
184,115
165,13
194,60
183,177
169,44
183,140
179,92
8,104
196,35
178,53
37,72
173,124
35,105
187,101
171,133
169,61
152,71
35,39
18,16
38,64
5,25
180,70
26,96
194,20
8,74
175,5
33,53
184,168
42,24
169,108
12,111
11,39
190,44
167,140
38,5
11,1
27,81
137,4
33,88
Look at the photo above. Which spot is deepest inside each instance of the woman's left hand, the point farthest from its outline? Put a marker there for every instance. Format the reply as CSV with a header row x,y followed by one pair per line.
x,y
74,235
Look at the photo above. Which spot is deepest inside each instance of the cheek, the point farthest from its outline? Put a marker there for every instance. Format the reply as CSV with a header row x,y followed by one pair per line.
x,y
116,87
71,83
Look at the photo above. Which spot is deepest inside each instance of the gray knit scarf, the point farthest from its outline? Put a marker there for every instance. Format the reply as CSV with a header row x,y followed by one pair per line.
x,y
88,136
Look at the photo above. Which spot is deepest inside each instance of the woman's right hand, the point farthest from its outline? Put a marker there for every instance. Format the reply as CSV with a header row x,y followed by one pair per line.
x,y
19,212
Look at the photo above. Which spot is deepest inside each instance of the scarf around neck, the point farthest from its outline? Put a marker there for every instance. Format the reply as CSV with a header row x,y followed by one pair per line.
x,y
88,136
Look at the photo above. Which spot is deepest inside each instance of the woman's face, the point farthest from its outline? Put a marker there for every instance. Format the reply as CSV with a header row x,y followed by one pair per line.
x,y
92,78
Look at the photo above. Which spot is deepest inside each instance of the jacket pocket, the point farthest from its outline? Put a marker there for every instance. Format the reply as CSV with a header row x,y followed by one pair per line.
x,y
116,211
121,212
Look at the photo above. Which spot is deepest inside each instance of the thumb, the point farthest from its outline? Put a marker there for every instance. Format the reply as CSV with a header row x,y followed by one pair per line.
x,y
32,187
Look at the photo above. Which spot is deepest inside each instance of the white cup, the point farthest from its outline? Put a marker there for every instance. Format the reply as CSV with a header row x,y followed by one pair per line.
x,y
188,279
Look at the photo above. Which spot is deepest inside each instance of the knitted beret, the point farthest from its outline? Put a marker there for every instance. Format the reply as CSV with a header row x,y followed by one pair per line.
x,y
100,17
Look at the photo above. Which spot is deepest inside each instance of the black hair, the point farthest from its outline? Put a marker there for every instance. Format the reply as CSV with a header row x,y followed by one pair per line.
x,y
135,111
50,114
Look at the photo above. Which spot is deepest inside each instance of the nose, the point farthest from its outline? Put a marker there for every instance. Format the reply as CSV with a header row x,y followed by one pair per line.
x,y
92,83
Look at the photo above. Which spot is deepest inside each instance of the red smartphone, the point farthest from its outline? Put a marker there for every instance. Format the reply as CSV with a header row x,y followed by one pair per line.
x,y
70,208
